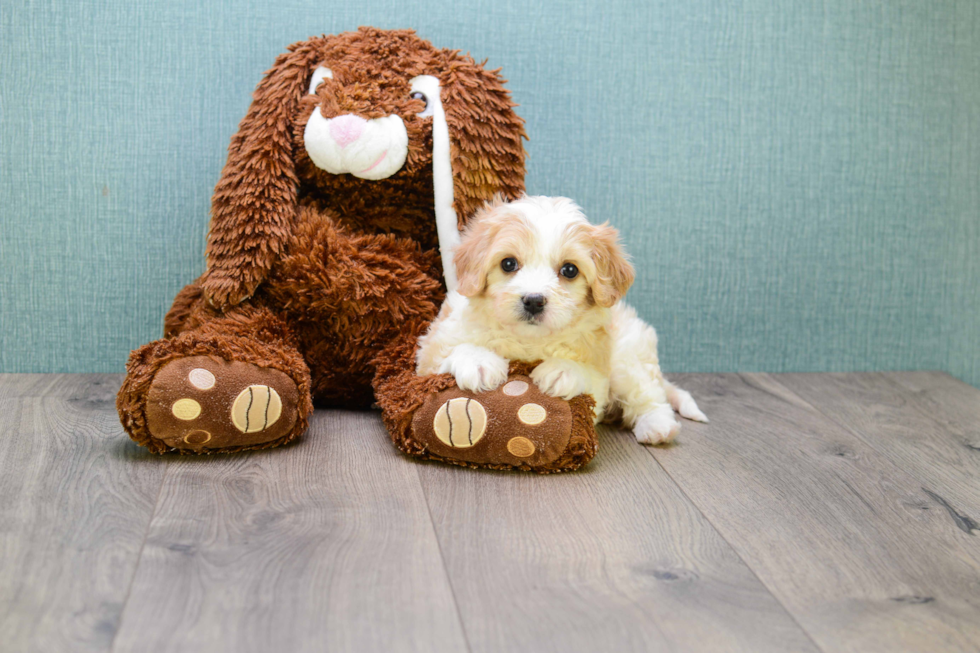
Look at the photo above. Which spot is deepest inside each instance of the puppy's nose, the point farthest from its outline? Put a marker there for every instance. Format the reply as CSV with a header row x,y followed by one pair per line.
x,y
346,129
534,304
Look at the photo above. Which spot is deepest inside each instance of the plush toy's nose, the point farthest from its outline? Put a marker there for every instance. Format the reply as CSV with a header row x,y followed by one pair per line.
x,y
346,129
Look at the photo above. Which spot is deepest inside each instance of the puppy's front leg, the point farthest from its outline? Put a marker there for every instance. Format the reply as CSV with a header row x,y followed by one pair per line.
x,y
563,378
475,368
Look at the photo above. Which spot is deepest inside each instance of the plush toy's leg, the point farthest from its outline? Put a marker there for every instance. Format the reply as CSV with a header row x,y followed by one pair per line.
x,y
514,427
220,382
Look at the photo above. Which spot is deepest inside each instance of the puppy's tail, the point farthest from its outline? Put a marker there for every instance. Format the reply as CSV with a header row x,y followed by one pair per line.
x,y
684,403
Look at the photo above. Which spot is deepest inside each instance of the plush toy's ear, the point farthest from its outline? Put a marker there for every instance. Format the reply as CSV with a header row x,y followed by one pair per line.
x,y
614,273
486,147
255,199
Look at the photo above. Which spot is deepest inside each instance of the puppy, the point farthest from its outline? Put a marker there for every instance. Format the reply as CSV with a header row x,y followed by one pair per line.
x,y
537,281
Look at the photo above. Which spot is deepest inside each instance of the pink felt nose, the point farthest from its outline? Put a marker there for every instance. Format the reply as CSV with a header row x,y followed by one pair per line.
x,y
346,129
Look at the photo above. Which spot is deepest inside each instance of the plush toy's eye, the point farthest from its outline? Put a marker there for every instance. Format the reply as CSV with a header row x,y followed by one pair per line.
x,y
426,89
320,74
509,264
419,95
569,271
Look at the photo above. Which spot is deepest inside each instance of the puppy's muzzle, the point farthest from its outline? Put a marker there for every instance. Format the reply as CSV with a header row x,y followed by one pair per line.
x,y
534,304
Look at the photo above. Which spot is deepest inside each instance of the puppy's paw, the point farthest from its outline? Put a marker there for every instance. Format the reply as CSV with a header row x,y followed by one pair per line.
x,y
475,369
684,404
562,378
657,427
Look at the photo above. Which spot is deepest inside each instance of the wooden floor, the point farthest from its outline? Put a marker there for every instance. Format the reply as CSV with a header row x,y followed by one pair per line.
x,y
816,512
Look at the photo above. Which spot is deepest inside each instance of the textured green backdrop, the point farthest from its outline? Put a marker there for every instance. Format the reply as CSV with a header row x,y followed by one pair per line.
x,y
799,181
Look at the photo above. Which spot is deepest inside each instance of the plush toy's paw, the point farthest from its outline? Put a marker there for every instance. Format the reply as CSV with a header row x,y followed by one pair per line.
x,y
560,377
657,427
514,426
200,404
475,369
222,291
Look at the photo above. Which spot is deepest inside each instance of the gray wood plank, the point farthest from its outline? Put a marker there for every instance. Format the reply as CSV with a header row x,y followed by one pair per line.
x,y
843,537
952,403
76,497
325,544
611,558
13,386
926,436
97,387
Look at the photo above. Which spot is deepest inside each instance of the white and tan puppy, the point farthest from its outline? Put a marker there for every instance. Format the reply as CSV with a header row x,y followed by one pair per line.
x,y
537,281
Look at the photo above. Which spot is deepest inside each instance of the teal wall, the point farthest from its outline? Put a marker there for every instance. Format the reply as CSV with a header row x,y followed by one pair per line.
x,y
799,181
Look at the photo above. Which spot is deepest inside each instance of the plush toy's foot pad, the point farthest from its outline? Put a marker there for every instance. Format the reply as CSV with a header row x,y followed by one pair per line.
x,y
200,404
515,426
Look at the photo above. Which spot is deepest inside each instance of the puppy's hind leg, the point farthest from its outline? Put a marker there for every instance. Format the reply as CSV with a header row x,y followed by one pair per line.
x,y
684,403
657,426
637,385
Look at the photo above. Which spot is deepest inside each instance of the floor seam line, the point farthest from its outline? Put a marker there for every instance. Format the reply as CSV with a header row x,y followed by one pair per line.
x,y
739,556
442,558
139,559
735,551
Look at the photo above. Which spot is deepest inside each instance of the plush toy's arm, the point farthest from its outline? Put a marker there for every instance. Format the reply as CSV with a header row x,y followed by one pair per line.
x,y
329,270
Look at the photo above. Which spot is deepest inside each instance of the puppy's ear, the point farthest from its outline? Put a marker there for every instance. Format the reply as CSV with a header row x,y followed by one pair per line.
x,y
486,137
614,273
255,200
470,257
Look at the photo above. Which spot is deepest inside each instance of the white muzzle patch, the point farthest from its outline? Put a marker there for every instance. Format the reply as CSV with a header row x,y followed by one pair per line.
x,y
370,149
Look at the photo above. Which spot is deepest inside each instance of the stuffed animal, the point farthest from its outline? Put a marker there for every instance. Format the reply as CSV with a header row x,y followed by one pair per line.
x,y
329,252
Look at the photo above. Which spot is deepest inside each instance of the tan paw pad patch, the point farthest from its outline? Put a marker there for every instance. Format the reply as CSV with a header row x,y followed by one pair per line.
x,y
256,408
198,437
460,422
515,388
201,378
520,447
532,414
186,409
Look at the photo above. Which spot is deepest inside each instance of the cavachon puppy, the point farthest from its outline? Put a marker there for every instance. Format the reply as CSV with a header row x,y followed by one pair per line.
x,y
537,281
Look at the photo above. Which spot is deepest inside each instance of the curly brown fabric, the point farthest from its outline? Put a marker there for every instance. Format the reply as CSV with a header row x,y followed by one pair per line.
x,y
330,278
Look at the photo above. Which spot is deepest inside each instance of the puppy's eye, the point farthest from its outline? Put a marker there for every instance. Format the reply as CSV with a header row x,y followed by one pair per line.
x,y
419,95
509,264
569,271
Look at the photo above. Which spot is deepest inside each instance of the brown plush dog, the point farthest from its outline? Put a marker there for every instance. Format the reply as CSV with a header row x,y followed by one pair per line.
x,y
361,155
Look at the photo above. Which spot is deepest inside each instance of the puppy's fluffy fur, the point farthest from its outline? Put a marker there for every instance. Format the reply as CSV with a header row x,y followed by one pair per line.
x,y
537,281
